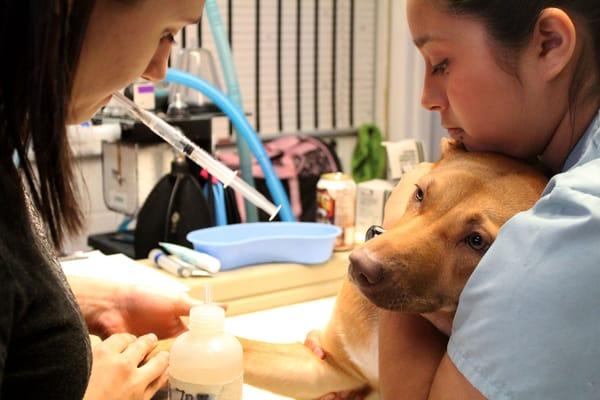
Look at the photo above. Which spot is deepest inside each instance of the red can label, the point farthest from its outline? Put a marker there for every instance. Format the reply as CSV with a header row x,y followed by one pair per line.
x,y
336,198
325,207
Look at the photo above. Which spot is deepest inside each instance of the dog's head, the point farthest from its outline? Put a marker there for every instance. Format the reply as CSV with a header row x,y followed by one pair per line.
x,y
439,222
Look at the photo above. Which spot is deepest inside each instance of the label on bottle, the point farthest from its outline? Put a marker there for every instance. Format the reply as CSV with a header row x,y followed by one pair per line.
x,y
179,390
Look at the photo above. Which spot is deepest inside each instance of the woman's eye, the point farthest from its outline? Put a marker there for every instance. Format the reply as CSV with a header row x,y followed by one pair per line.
x,y
476,241
440,68
419,194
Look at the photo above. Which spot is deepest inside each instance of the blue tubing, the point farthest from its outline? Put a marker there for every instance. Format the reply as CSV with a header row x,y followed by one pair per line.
x,y
234,93
222,45
246,132
124,225
220,212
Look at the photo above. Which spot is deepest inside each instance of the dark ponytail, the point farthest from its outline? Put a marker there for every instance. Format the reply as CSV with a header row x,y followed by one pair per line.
x,y
40,44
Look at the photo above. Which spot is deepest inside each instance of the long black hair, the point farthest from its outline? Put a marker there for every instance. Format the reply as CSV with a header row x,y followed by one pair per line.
x,y
40,43
511,23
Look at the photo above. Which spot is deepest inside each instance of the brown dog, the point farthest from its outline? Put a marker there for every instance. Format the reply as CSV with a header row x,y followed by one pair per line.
x,y
439,222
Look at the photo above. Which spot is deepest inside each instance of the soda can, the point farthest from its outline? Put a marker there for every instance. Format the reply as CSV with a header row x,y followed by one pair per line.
x,y
336,205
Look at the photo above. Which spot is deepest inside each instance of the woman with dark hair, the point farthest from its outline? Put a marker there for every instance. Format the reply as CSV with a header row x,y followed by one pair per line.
x,y
61,61
519,78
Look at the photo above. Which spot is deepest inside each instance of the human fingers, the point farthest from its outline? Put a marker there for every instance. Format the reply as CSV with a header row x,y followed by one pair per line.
x,y
183,303
347,395
357,394
153,372
139,349
313,342
95,340
155,386
161,345
337,396
119,341
329,396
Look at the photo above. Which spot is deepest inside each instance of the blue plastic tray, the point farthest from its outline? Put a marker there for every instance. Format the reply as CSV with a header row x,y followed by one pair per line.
x,y
266,242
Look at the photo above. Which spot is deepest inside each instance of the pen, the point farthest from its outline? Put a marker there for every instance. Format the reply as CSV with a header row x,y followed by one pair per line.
x,y
160,259
194,271
199,260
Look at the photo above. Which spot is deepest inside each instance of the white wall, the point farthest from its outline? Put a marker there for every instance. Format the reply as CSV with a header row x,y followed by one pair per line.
x,y
399,108
319,97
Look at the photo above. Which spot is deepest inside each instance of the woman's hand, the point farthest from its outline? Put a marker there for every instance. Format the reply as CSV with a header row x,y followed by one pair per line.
x,y
112,307
140,311
118,372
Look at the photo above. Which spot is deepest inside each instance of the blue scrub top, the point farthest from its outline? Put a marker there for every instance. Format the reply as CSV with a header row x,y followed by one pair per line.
x,y
528,320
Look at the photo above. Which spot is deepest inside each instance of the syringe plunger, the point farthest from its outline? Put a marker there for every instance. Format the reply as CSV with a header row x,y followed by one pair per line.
x,y
180,142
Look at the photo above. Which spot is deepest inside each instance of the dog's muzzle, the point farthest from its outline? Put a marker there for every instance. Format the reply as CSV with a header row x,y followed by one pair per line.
x,y
364,270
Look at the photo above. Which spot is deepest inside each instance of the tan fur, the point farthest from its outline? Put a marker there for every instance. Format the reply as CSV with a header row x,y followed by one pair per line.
x,y
424,266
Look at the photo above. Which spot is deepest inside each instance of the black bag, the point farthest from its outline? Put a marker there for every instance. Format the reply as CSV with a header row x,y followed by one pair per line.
x,y
175,207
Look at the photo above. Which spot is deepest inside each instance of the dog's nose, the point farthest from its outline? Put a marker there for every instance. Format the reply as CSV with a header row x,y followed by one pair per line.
x,y
365,270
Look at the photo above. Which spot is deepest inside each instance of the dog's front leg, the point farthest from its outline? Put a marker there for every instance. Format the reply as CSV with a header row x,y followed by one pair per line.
x,y
293,370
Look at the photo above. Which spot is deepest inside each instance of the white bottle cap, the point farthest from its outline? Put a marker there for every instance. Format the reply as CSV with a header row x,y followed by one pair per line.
x,y
207,318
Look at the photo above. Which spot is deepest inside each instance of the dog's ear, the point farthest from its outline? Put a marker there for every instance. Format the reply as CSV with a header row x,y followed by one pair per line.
x,y
451,146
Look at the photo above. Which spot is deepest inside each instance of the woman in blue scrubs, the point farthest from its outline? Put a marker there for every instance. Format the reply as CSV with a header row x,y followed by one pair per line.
x,y
519,78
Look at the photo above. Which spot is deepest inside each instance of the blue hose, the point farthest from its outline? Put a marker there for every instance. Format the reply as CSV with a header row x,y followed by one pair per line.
x,y
124,225
246,132
218,195
220,211
233,92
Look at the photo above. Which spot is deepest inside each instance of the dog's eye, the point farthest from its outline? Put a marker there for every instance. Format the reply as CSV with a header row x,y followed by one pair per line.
x,y
419,194
476,241
373,231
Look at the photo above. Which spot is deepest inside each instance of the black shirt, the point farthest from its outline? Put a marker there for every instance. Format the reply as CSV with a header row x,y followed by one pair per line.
x,y
44,344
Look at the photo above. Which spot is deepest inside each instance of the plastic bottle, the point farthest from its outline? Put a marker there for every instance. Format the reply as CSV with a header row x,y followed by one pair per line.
x,y
206,363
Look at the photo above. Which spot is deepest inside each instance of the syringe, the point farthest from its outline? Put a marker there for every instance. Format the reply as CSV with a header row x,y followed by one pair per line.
x,y
180,142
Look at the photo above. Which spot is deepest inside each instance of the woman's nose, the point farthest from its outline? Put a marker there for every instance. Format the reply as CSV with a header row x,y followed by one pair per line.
x,y
433,97
157,68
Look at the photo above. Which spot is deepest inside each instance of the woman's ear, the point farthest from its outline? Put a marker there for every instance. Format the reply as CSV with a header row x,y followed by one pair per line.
x,y
554,42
